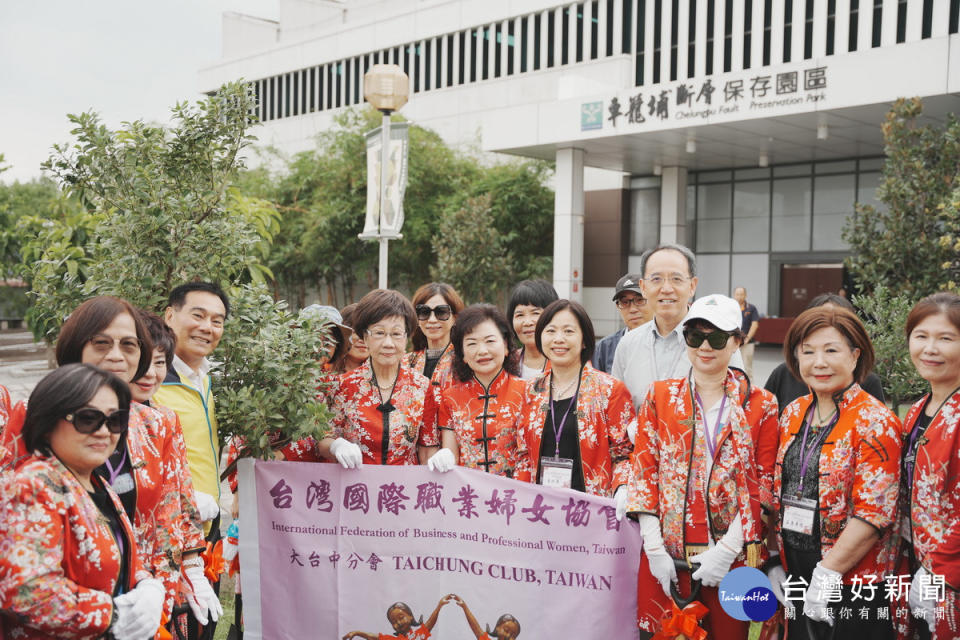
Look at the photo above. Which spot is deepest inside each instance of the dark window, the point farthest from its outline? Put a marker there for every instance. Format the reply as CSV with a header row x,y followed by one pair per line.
x,y
536,42
511,46
609,42
474,51
462,58
366,63
767,22
286,95
954,15
565,36
787,28
657,37
831,25
450,61
497,45
525,43
641,42
594,29
320,87
854,18
692,40
406,59
710,11
580,33
338,79
551,37
427,59
747,33
902,21
313,89
330,87
808,31
376,57
258,109
396,55
356,81
674,29
877,21
272,101
485,62
416,66
728,36
304,90
627,24
927,28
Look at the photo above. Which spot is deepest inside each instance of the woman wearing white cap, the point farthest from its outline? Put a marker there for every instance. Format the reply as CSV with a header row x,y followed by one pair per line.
x,y
702,470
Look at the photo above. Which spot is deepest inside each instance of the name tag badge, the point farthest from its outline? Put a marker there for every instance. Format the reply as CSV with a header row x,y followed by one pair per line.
x,y
798,515
123,483
556,472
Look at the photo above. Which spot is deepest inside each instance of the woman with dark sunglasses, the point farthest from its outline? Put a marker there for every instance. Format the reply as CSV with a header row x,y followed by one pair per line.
x,y
148,469
437,305
702,471
68,554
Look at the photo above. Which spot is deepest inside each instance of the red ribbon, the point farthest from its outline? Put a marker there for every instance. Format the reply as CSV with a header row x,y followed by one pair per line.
x,y
213,564
686,623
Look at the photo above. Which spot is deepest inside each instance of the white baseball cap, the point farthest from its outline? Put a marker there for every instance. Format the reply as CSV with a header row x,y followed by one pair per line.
x,y
720,311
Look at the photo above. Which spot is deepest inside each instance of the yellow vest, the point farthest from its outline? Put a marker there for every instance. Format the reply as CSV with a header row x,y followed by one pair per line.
x,y
196,412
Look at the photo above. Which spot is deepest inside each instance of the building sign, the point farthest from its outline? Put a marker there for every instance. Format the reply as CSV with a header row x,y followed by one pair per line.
x,y
325,551
689,102
591,116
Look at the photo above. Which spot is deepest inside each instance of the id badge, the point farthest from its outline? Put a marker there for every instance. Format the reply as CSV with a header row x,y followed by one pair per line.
x,y
798,515
556,472
123,483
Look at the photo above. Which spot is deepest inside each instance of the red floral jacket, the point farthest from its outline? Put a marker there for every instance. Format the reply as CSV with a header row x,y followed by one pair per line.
x,y
354,400
859,469
933,509
484,421
667,452
59,561
442,377
604,409
11,423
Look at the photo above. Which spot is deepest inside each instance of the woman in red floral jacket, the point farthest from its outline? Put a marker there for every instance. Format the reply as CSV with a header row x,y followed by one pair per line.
x,y
838,474
930,486
573,431
702,471
69,566
378,407
481,406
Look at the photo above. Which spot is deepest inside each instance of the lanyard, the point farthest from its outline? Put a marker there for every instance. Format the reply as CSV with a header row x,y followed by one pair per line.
x,y
711,439
115,471
805,453
557,432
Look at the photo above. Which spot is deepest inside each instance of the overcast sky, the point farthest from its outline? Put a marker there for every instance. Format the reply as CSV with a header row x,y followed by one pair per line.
x,y
125,59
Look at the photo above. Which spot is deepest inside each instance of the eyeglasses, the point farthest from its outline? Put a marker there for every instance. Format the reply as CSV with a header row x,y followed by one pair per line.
x,y
716,339
441,311
677,280
626,303
104,344
380,334
90,420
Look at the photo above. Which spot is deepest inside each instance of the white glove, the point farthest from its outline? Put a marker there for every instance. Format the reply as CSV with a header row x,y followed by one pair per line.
x,y
777,577
347,453
815,598
442,461
203,600
715,562
929,607
139,610
620,501
207,505
661,564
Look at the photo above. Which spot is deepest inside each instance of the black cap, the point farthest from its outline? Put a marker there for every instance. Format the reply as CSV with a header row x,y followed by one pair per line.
x,y
629,282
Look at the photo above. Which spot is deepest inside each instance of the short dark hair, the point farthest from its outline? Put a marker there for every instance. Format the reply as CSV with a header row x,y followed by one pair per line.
x,y
63,391
679,248
468,320
424,293
534,293
179,294
162,336
92,317
583,319
844,321
380,304
504,618
830,298
403,606
945,302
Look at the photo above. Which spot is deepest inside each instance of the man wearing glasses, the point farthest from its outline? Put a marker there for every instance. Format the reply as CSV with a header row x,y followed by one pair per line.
x,y
634,311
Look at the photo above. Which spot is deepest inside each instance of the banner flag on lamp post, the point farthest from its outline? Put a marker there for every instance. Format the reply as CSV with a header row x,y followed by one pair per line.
x,y
387,225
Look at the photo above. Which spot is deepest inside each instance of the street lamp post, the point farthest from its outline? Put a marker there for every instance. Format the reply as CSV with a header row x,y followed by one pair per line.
x,y
387,88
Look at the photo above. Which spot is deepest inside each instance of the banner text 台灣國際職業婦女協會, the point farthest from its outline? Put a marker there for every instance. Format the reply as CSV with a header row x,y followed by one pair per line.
x,y
335,548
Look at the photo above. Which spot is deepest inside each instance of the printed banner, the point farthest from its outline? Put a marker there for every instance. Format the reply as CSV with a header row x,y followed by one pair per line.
x,y
326,551
386,221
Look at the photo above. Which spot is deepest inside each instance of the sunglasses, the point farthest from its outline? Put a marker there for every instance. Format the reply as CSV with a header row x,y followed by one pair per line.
x,y
442,312
716,339
88,421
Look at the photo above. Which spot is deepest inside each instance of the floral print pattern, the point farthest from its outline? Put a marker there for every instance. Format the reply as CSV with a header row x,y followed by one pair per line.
x,y
859,470
59,561
476,414
604,409
354,400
